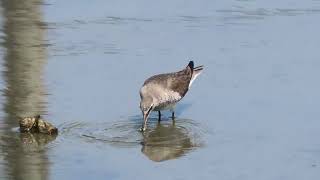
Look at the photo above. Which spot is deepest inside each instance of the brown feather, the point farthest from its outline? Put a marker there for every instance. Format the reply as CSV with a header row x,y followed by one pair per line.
x,y
177,81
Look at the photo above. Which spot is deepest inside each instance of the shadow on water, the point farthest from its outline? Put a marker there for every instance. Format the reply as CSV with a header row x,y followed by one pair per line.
x,y
24,155
162,141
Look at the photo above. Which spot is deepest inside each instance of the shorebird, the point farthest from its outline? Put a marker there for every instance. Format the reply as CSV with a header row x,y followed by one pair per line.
x,y
163,91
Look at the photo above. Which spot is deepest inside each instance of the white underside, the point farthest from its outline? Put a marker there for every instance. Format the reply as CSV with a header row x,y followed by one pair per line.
x,y
194,76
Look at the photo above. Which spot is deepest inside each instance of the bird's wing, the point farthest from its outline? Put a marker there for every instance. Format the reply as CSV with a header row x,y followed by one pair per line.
x,y
179,82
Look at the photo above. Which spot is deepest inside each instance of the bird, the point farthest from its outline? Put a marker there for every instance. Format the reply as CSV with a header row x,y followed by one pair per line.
x,y
163,91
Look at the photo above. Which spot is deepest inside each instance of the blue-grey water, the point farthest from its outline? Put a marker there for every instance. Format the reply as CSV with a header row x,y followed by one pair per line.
x,y
252,114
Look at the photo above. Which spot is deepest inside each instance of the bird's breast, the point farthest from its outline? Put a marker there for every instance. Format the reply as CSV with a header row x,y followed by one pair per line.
x,y
165,106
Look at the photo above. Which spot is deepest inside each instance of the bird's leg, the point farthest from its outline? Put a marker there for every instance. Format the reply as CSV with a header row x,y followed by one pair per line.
x,y
159,116
173,117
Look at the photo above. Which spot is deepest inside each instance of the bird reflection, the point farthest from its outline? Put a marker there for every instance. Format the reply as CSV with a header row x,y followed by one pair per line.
x,y
166,141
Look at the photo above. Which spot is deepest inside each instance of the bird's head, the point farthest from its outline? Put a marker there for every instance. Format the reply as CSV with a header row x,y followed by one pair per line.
x,y
146,106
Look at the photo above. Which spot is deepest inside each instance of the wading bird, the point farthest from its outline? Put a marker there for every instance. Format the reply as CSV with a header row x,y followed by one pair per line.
x,y
163,91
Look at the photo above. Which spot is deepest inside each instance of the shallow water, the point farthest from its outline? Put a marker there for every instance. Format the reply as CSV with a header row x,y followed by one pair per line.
x,y
252,114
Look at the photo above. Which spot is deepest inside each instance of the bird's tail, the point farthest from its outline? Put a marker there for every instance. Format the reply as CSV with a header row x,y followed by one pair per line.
x,y
195,71
189,68
191,65
198,69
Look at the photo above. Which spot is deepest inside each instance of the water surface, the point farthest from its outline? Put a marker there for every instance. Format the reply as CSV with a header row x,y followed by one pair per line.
x,y
252,114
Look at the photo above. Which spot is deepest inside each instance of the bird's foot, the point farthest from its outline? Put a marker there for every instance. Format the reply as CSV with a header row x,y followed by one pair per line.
x,y
142,129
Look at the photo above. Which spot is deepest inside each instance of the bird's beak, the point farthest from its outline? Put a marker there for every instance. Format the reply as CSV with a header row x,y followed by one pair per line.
x,y
145,119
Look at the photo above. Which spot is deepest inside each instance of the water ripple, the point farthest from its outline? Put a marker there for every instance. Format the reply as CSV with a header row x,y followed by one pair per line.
x,y
162,141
